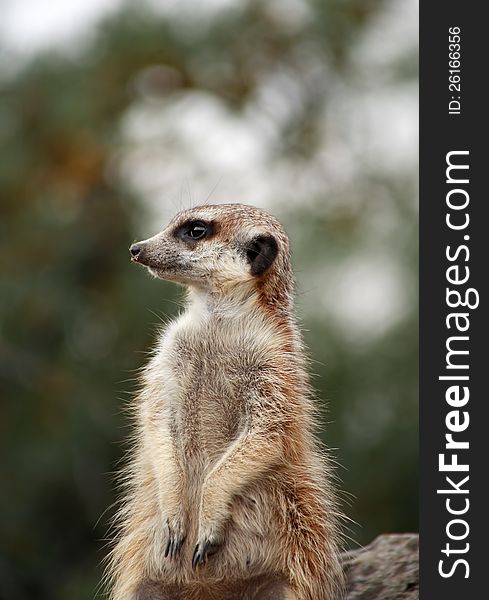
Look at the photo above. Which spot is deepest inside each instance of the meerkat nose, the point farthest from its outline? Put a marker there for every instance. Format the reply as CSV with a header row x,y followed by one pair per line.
x,y
135,251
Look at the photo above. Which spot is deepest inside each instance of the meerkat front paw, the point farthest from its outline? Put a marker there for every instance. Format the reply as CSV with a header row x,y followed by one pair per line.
x,y
176,536
213,516
206,546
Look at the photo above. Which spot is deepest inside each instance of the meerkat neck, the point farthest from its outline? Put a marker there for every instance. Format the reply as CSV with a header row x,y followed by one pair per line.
x,y
205,302
235,303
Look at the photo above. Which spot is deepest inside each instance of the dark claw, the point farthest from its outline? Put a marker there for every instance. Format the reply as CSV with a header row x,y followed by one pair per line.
x,y
202,552
173,547
174,544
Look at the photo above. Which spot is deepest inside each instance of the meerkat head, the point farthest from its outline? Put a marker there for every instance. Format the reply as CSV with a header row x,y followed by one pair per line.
x,y
219,248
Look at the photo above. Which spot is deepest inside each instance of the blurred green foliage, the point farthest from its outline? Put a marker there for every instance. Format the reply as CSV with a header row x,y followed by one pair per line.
x,y
76,317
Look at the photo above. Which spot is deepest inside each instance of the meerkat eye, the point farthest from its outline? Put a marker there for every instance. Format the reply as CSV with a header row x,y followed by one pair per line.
x,y
196,230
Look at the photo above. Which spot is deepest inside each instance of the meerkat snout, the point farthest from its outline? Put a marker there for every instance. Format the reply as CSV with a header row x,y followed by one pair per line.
x,y
135,250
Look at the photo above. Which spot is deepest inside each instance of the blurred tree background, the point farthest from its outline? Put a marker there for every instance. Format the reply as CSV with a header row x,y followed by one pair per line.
x,y
306,108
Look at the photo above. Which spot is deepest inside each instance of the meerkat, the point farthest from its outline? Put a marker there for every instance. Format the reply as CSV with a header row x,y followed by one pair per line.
x,y
228,494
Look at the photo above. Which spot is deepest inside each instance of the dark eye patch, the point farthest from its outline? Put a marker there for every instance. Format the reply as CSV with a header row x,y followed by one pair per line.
x,y
193,231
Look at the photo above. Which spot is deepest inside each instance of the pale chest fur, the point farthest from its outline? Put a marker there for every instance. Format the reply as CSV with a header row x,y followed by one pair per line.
x,y
208,365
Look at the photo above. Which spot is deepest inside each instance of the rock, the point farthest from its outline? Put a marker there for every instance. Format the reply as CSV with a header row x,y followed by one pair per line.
x,y
386,569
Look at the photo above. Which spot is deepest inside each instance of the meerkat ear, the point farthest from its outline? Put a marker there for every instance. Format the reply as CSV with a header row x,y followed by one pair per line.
x,y
261,251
